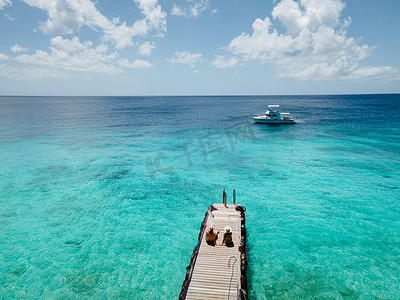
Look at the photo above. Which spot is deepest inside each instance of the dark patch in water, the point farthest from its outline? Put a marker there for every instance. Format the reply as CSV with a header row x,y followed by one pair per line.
x,y
348,292
83,281
135,246
120,174
389,187
73,242
55,223
18,271
267,172
8,214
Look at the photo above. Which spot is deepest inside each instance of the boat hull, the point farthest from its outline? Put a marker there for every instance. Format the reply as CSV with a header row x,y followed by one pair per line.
x,y
266,121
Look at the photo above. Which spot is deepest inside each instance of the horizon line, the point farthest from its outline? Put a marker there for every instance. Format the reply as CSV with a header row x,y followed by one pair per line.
x,y
208,95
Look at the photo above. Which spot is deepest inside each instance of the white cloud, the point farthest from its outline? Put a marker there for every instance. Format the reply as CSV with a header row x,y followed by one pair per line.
x,y
4,57
17,48
9,17
73,56
4,3
184,57
155,18
68,58
177,11
195,9
198,8
68,16
146,48
314,46
374,73
221,61
137,64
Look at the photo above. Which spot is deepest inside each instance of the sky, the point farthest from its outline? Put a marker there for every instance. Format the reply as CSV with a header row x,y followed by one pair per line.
x,y
199,47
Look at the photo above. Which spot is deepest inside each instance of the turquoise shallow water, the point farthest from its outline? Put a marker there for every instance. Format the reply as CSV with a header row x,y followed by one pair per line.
x,y
103,197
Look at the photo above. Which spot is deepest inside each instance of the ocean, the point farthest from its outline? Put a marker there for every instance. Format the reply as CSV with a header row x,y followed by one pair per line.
x,y
103,197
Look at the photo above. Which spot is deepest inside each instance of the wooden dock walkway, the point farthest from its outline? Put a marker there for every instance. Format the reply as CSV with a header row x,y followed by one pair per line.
x,y
219,272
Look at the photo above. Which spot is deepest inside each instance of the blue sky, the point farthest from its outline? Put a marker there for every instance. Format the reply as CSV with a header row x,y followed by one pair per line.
x,y
199,47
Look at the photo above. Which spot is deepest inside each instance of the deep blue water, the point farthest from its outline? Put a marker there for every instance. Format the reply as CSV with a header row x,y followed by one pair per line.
x,y
103,197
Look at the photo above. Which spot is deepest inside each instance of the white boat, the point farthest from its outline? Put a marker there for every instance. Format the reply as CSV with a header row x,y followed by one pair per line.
x,y
273,116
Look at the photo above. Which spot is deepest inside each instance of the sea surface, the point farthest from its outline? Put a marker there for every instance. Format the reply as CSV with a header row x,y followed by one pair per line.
x,y
103,197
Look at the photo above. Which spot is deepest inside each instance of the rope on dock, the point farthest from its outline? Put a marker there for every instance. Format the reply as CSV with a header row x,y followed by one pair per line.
x,y
231,266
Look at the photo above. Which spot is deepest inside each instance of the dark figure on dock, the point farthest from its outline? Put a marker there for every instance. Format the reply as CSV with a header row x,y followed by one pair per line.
x,y
227,237
211,236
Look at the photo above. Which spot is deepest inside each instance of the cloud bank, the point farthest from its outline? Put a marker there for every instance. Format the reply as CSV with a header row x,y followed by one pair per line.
x,y
72,55
68,55
68,17
303,39
314,44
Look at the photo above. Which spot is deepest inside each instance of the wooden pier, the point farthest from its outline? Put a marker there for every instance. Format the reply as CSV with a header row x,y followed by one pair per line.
x,y
219,272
